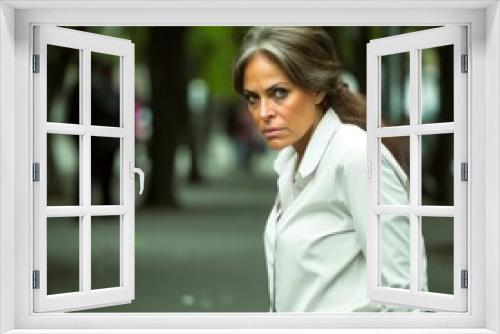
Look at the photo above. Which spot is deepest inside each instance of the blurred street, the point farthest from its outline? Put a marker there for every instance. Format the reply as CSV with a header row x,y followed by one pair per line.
x,y
209,255
209,182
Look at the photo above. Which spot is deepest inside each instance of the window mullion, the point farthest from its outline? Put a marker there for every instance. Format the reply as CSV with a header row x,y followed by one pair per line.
x,y
414,168
85,174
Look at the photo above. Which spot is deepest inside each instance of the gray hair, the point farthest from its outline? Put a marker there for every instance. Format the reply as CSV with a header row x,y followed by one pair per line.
x,y
307,55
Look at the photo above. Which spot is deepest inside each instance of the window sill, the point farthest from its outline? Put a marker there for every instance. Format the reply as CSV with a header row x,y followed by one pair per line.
x,y
252,331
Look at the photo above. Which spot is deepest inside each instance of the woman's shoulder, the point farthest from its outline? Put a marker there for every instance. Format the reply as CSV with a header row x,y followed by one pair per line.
x,y
350,136
349,147
349,144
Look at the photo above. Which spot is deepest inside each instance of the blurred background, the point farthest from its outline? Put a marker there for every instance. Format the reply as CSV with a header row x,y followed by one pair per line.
x,y
209,181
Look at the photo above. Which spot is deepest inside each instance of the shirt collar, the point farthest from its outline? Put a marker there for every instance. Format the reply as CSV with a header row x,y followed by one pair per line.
x,y
315,148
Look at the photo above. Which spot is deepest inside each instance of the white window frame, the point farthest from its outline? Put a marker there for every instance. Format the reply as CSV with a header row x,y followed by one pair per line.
x,y
85,44
16,20
412,44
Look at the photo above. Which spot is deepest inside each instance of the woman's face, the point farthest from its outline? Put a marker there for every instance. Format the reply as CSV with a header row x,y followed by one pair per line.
x,y
284,113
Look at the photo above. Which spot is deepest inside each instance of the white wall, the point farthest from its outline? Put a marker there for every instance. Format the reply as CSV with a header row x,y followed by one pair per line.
x,y
492,150
7,166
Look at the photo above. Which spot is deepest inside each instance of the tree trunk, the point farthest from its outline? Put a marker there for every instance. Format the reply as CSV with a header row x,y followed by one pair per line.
x,y
169,105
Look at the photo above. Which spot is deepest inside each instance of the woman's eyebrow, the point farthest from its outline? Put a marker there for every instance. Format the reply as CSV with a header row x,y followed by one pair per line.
x,y
246,91
273,86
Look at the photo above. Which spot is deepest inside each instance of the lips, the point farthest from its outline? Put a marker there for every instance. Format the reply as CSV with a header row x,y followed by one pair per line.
x,y
270,133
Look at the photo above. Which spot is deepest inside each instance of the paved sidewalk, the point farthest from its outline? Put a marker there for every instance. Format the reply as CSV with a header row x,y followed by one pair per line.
x,y
207,256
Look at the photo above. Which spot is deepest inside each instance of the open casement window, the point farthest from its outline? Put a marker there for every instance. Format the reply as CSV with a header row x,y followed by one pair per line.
x,y
70,227
402,92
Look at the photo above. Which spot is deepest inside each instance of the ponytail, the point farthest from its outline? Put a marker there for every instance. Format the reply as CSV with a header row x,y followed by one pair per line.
x,y
308,57
351,109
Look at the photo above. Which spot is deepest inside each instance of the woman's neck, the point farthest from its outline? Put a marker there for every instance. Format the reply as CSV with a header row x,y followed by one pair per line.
x,y
301,145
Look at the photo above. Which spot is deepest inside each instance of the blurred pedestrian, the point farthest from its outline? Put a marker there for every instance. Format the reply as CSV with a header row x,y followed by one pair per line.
x,y
105,111
245,137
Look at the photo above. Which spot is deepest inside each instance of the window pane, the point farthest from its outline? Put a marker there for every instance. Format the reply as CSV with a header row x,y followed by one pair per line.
x,y
394,83
105,89
63,84
105,252
437,84
63,170
105,169
394,171
63,255
437,169
438,241
394,252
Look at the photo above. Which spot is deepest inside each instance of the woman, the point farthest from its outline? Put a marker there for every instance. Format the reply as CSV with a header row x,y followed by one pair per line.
x,y
315,237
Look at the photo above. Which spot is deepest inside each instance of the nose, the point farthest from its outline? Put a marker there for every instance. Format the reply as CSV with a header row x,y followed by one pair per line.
x,y
265,109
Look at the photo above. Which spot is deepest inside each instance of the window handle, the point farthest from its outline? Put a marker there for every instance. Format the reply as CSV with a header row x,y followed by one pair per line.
x,y
135,170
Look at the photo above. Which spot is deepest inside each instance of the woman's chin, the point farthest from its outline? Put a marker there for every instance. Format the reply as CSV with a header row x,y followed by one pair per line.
x,y
277,144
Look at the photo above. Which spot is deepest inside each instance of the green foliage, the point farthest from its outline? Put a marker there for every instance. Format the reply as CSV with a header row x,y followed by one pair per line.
x,y
211,52
138,35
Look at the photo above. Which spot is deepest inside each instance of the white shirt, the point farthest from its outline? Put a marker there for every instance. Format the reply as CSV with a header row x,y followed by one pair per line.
x,y
315,237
